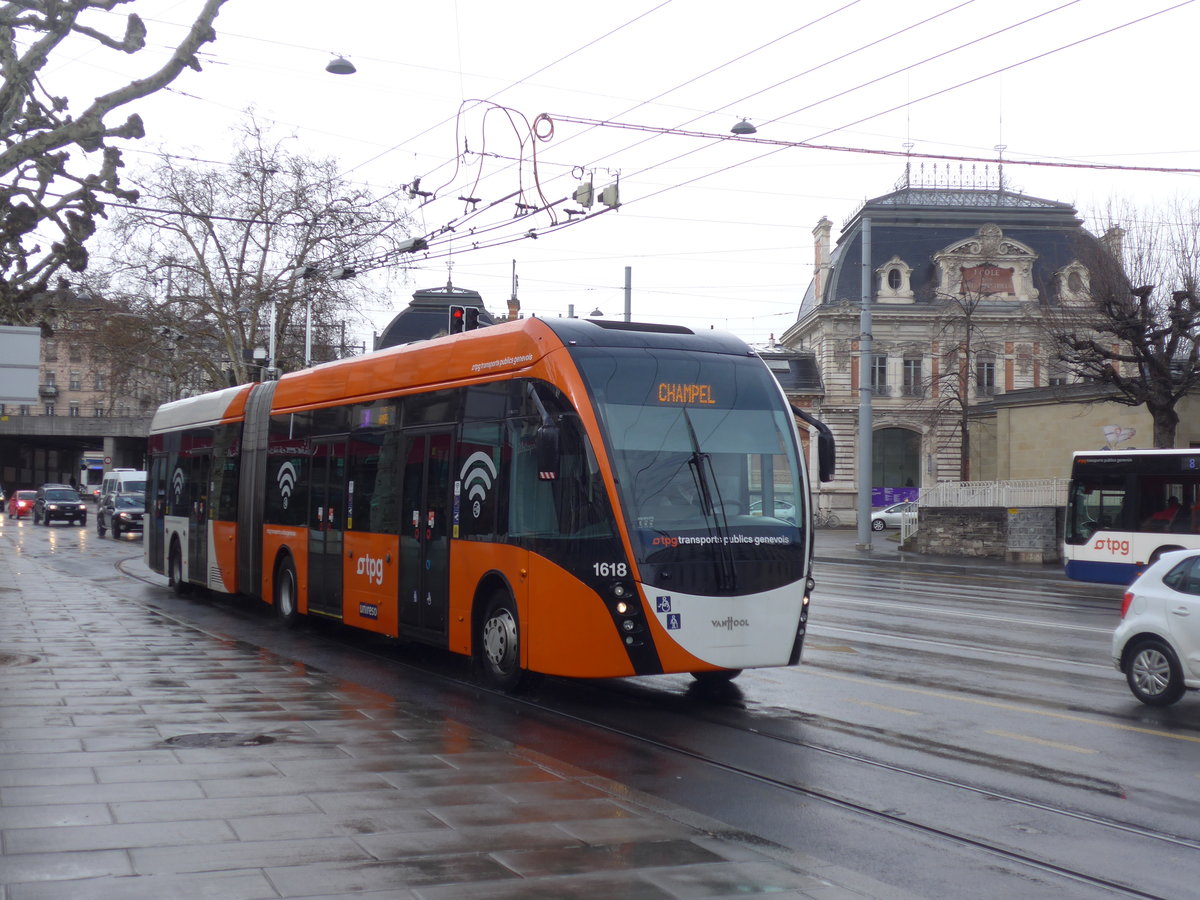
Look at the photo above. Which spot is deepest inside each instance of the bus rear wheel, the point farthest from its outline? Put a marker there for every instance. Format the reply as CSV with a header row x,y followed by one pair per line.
x,y
498,644
287,606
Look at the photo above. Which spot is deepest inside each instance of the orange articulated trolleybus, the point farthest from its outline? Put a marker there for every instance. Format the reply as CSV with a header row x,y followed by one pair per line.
x,y
580,498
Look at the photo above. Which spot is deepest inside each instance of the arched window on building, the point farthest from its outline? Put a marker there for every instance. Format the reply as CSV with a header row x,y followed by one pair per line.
x,y
895,465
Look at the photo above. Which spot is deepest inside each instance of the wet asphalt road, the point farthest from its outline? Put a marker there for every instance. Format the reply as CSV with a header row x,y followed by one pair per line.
x,y
981,707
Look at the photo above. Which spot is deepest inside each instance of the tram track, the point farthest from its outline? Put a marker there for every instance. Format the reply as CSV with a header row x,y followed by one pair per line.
x,y
618,695
875,813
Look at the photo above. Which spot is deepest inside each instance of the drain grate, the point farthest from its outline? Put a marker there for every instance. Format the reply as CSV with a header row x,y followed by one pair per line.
x,y
219,739
16,659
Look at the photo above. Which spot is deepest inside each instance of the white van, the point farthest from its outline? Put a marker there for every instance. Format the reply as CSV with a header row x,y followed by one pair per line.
x,y
123,481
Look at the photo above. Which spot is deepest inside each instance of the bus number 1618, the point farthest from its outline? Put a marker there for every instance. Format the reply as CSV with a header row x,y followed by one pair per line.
x,y
611,570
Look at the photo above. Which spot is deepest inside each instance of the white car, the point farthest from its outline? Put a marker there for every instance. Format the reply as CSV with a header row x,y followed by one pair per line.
x,y
1157,644
890,516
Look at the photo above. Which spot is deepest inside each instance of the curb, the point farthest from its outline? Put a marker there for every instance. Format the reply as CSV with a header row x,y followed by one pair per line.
x,y
915,562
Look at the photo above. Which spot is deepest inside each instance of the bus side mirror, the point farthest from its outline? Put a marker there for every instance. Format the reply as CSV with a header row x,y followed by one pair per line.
x,y
826,455
826,447
546,452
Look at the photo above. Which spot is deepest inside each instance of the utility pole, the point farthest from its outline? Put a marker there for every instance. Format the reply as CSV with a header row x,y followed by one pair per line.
x,y
865,354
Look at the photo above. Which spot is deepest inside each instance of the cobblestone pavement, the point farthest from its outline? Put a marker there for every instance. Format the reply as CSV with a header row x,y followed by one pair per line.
x,y
141,757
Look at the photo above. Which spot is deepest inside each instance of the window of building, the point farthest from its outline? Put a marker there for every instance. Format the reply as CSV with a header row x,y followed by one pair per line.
x,y
1057,374
50,377
76,381
879,373
50,348
73,409
24,410
985,376
894,279
48,409
98,412
75,354
913,377
98,381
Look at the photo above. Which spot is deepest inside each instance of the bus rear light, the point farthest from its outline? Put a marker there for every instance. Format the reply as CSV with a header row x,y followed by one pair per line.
x,y
1125,603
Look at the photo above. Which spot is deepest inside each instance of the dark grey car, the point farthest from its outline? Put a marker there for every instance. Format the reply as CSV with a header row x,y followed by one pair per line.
x,y
120,513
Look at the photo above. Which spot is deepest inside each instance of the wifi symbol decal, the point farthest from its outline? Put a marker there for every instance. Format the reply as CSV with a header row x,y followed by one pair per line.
x,y
287,482
478,475
177,484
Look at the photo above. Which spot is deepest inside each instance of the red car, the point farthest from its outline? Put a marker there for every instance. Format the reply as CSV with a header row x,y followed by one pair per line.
x,y
20,503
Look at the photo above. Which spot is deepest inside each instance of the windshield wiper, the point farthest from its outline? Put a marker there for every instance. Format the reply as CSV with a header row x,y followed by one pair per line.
x,y
706,483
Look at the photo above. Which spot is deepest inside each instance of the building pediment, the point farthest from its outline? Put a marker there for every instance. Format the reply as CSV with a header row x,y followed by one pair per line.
x,y
988,266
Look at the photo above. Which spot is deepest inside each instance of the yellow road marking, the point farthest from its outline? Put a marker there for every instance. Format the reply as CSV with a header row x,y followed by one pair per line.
x,y
885,707
1044,743
1012,707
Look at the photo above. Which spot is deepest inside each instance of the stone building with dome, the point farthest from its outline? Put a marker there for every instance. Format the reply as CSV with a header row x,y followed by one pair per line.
x,y
961,276
427,315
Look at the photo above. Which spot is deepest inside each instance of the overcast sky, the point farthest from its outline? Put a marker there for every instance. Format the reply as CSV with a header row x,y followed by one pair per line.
x,y
718,232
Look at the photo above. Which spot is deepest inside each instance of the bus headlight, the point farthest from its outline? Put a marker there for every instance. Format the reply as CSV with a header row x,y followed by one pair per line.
x,y
619,590
628,625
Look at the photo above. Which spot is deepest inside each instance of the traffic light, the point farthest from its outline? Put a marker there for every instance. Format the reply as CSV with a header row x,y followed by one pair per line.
x,y
463,318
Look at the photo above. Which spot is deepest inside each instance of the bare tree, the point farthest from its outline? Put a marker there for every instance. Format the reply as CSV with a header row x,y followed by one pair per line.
x,y
965,363
57,167
1134,321
242,256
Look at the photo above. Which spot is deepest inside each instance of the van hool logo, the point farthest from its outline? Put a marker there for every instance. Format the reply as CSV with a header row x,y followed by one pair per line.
x,y
478,475
177,481
729,623
287,482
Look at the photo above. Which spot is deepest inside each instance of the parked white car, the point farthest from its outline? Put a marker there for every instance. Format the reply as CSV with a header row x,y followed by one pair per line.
x,y
1157,644
890,516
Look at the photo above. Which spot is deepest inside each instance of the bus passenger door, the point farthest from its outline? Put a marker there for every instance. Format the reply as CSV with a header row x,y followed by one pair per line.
x,y
425,533
199,478
326,523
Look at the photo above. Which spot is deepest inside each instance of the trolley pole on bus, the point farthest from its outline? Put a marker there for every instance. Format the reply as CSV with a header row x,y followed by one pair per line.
x,y
864,395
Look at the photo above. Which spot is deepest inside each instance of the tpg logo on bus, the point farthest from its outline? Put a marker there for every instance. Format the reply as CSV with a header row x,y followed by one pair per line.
x,y
1113,546
371,567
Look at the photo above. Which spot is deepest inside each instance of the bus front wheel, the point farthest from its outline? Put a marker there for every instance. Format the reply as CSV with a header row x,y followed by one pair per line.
x,y
286,603
710,677
175,570
499,644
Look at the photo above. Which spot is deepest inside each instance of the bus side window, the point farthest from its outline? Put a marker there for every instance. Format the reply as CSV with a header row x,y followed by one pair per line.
x,y
531,500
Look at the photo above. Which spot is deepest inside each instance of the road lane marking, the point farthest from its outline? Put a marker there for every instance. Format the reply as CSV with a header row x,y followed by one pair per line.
x,y
885,707
1011,707
1041,742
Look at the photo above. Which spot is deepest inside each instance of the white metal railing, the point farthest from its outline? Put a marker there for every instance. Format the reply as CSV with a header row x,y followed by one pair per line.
x,y
1030,492
908,524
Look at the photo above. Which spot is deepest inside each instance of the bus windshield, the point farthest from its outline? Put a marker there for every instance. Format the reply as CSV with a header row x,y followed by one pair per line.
x,y
705,458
